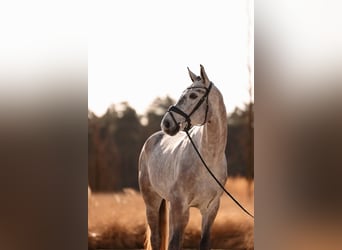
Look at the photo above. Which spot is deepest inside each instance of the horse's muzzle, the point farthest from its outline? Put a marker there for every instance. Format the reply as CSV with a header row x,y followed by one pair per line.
x,y
169,127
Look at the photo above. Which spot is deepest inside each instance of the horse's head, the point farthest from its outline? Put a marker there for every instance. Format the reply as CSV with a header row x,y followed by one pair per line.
x,y
191,108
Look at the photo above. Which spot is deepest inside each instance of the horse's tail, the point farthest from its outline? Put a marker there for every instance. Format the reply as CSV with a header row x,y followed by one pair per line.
x,y
147,243
163,226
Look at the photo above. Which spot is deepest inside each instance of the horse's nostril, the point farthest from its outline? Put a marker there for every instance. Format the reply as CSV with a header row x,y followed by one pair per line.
x,y
167,124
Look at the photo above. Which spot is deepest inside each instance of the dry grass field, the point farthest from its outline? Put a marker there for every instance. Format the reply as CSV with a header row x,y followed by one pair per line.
x,y
117,220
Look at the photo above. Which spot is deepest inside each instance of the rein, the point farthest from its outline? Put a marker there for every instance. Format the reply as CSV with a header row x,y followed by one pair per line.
x,y
211,173
187,128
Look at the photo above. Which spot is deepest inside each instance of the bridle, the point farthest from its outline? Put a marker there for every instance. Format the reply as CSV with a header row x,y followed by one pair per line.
x,y
188,116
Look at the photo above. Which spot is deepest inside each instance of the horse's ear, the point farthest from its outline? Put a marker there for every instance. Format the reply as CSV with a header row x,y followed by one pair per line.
x,y
192,76
204,76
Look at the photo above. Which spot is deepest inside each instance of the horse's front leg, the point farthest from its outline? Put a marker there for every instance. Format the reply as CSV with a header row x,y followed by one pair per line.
x,y
179,217
208,217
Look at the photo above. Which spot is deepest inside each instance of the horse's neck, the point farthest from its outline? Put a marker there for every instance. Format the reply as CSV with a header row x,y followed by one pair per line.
x,y
214,136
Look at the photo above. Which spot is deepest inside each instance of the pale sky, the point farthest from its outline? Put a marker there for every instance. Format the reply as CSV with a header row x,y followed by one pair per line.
x,y
138,50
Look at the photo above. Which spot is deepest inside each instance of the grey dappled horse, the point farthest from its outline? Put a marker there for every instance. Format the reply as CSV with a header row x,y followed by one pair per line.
x,y
171,176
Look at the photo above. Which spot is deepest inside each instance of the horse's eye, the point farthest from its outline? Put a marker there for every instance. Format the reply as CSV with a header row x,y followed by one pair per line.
x,y
193,96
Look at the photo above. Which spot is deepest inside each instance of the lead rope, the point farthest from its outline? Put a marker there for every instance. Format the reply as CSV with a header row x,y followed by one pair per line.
x,y
211,173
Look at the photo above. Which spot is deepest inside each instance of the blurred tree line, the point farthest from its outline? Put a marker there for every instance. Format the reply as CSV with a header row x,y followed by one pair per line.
x,y
116,138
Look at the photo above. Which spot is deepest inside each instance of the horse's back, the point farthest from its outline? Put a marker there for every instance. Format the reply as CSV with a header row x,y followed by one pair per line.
x,y
161,145
158,168
149,146
152,142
